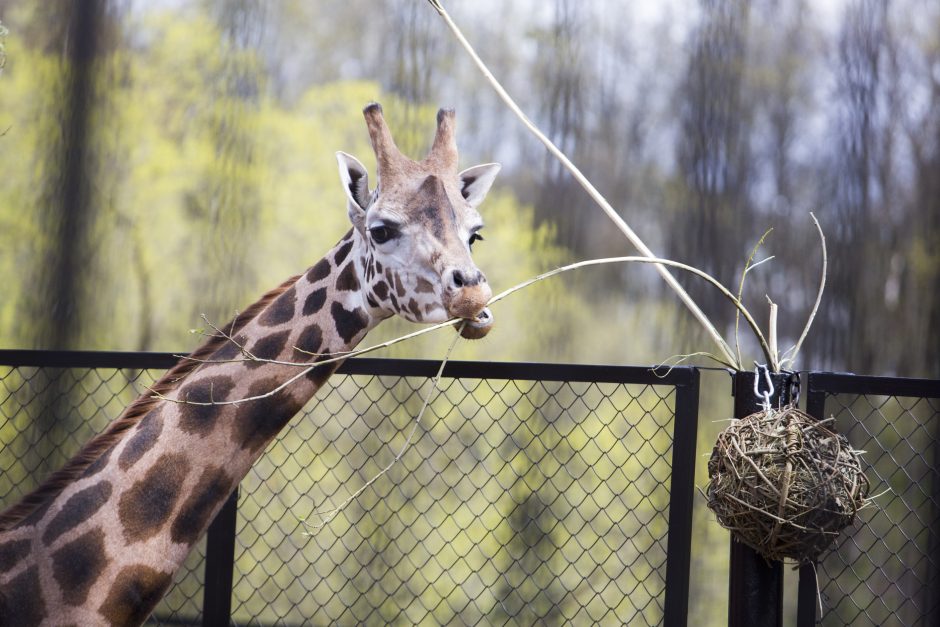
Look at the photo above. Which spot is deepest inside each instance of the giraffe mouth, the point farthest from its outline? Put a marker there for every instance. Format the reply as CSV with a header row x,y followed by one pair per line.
x,y
478,326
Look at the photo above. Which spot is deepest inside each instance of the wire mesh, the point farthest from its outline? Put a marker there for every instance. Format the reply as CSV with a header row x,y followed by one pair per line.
x,y
885,572
46,416
523,502
518,502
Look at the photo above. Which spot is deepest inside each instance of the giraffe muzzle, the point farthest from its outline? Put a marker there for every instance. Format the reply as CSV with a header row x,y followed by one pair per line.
x,y
478,326
466,296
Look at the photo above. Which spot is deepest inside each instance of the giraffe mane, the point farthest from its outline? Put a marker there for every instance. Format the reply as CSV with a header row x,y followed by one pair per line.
x,y
94,448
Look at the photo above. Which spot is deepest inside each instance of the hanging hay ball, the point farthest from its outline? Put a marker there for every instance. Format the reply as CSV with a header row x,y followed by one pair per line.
x,y
784,484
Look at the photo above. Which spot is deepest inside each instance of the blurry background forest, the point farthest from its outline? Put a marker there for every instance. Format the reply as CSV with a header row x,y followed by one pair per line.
x,y
180,161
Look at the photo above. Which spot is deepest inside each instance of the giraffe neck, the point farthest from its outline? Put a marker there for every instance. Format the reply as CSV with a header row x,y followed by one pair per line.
x,y
104,549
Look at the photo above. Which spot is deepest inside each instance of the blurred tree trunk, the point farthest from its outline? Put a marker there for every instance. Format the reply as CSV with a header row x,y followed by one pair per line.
x,y
563,81
860,209
919,299
54,310
226,205
712,226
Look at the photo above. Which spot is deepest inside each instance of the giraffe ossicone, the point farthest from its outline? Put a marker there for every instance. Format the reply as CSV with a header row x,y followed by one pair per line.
x,y
417,227
98,542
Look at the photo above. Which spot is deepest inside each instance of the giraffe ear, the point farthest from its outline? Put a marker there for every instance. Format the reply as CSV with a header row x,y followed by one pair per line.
x,y
475,182
356,185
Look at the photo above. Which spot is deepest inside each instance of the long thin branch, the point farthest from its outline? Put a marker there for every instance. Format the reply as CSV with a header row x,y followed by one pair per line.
x,y
588,187
662,262
307,367
819,293
747,268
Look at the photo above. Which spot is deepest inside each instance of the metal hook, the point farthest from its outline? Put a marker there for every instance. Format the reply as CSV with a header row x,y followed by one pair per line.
x,y
758,368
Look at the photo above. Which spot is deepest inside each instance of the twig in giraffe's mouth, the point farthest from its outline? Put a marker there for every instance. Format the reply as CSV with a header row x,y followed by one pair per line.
x,y
477,327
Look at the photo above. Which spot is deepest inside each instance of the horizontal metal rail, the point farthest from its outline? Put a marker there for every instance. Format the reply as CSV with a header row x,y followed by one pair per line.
x,y
523,371
846,383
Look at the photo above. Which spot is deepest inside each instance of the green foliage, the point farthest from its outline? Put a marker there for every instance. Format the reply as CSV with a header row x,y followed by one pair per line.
x,y
183,198
166,181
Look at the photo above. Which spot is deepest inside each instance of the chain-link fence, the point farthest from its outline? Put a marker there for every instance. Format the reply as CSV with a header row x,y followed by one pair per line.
x,y
50,405
887,570
531,494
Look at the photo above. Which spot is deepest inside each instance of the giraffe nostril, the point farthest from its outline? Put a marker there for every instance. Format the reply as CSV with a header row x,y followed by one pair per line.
x,y
460,279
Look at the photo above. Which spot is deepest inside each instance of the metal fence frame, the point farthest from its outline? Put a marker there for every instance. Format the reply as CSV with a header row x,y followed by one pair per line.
x,y
821,385
220,538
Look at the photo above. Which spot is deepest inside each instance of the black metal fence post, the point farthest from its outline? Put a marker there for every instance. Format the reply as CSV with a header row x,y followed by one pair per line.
x,y
807,592
681,494
755,593
220,566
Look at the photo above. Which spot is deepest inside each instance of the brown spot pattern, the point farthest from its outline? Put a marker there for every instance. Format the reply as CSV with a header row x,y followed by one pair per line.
x,y
146,506
230,350
399,288
342,253
134,594
20,601
97,465
259,420
348,280
310,340
78,564
77,509
281,310
12,552
143,439
424,286
319,374
315,301
213,487
381,290
348,323
201,418
319,271
39,513
268,347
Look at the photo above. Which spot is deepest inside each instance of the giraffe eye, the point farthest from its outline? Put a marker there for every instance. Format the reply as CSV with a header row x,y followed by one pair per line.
x,y
382,233
476,237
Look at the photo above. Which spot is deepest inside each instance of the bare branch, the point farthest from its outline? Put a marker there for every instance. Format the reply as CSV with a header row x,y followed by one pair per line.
x,y
748,266
307,367
587,185
822,287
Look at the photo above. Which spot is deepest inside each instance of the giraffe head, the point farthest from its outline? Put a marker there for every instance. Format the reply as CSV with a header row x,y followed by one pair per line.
x,y
415,230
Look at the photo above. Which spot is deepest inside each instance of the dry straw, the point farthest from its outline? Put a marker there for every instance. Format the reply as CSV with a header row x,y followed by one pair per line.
x,y
785,484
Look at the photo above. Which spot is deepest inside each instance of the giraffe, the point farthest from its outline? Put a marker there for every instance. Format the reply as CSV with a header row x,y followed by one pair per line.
x,y
99,541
